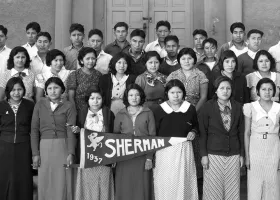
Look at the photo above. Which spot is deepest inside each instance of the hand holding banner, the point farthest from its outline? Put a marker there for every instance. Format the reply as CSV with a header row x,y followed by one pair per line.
x,y
107,148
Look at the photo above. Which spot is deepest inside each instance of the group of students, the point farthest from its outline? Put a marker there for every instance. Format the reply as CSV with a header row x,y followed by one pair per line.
x,y
223,101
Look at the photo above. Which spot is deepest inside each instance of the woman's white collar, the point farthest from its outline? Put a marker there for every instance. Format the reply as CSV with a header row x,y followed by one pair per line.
x,y
183,108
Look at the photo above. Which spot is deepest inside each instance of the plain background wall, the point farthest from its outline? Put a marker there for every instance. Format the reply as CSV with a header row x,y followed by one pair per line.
x,y
16,14
264,15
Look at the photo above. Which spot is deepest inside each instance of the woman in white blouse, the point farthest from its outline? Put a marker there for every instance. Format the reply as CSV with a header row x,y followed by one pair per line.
x,y
264,64
262,145
116,81
55,60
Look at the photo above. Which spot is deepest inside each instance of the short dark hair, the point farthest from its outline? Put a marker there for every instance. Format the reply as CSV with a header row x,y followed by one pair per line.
x,y
95,89
95,32
200,32
187,51
121,24
45,34
174,83
4,30
57,81
217,83
134,86
237,25
115,59
263,81
15,51
10,86
52,54
83,52
33,25
171,37
138,32
76,27
163,23
254,31
211,41
225,55
268,55
151,54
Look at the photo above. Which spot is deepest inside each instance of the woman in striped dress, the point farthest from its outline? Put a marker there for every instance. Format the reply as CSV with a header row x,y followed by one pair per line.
x,y
221,143
262,143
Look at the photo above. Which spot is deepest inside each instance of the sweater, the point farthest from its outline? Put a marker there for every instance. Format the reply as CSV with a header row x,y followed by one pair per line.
x,y
16,128
144,124
48,124
240,91
106,84
214,138
245,64
167,69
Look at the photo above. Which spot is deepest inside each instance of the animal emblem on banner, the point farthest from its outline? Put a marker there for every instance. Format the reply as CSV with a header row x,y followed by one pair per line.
x,y
95,141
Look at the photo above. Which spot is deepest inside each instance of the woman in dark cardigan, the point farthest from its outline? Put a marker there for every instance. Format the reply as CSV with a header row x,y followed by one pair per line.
x,y
15,149
221,125
95,182
115,82
227,66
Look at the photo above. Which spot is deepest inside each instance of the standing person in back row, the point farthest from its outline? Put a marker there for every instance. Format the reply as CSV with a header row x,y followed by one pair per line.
x,y
162,30
170,62
237,44
77,34
199,35
136,53
120,44
32,29
95,40
245,60
4,50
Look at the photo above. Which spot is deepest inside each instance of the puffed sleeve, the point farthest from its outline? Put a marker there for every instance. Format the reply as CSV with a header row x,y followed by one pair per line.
x,y
277,82
40,81
3,79
247,110
202,78
140,80
71,82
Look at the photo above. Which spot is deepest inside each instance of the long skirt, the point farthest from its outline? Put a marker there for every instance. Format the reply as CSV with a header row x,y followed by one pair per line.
x,y
222,179
94,184
175,173
15,171
132,181
54,181
263,183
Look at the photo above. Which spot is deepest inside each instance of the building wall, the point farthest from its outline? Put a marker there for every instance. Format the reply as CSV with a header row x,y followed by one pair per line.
x,y
263,15
16,14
